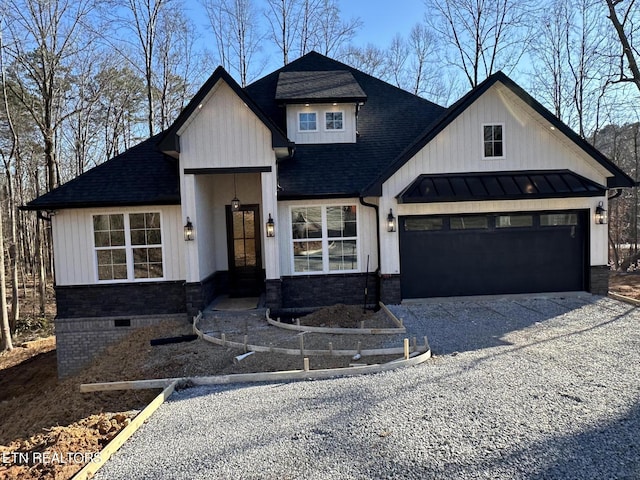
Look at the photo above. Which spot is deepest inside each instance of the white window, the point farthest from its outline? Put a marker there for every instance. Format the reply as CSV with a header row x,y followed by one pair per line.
x,y
128,247
493,141
333,121
324,239
307,121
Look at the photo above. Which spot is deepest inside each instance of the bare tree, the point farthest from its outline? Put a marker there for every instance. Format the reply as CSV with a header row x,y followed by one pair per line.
x,y
331,32
238,37
5,332
8,161
481,36
284,18
624,17
44,39
141,20
370,59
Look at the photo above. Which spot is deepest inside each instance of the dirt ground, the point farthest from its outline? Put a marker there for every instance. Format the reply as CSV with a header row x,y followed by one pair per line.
x,y
627,284
46,418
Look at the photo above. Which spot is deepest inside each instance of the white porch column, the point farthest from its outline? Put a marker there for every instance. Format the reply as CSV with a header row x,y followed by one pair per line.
x,y
188,194
269,181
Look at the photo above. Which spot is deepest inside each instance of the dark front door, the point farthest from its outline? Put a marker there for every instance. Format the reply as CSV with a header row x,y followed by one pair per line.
x,y
245,261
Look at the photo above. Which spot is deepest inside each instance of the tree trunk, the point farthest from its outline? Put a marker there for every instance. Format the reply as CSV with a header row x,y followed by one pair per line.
x,y
5,332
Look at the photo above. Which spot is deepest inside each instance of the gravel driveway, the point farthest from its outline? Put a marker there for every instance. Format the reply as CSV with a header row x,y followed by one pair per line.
x,y
523,388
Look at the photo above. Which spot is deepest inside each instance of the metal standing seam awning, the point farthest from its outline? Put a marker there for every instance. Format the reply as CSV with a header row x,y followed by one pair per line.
x,y
499,186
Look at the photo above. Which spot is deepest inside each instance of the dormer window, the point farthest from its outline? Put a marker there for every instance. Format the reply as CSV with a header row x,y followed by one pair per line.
x,y
307,121
333,121
493,141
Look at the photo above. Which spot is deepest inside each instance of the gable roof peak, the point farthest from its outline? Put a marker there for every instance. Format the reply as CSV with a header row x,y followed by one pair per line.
x,y
169,140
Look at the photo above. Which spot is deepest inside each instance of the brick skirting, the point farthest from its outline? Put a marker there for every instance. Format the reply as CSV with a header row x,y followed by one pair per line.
x,y
322,290
79,340
599,279
140,298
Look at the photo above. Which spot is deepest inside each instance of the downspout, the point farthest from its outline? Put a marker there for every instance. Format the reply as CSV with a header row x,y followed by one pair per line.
x,y
377,210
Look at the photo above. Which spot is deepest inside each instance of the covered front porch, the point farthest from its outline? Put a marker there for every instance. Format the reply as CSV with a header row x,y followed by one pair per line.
x,y
229,250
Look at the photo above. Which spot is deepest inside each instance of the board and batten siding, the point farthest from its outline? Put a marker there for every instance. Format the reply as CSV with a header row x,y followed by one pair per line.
x,y
224,133
529,144
75,259
322,135
366,225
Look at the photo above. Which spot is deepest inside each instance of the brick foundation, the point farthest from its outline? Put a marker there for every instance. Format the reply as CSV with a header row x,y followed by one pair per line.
x,y
142,298
599,279
200,294
390,293
79,340
273,294
322,290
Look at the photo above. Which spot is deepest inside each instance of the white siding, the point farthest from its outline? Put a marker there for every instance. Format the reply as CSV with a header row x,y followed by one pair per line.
x,y
224,132
367,236
75,260
529,144
348,135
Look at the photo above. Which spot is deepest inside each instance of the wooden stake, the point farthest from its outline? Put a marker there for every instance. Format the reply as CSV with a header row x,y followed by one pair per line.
x,y
223,337
331,348
305,362
406,349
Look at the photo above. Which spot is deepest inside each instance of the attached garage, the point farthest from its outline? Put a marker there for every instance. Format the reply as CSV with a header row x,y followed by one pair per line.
x,y
452,255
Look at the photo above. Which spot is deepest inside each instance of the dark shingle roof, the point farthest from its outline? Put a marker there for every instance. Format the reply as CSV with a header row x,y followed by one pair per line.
x,y
392,126
389,121
323,86
140,176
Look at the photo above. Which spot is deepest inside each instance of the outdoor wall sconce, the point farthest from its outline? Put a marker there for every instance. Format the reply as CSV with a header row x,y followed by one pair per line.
x,y
271,227
601,214
188,231
391,222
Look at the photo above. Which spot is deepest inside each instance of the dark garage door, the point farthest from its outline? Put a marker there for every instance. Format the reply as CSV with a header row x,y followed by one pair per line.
x,y
493,254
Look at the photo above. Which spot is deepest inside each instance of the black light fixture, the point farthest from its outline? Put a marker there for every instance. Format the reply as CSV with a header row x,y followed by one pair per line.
x,y
601,214
188,231
271,227
391,222
235,203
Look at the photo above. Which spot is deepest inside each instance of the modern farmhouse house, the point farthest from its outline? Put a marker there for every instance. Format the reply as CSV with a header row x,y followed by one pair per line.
x,y
317,180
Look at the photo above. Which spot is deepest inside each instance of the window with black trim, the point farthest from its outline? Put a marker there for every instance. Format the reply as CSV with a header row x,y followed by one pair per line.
x,y
469,223
493,141
558,219
514,221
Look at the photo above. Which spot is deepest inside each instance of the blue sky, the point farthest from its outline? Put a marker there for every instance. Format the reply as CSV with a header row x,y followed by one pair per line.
x,y
382,19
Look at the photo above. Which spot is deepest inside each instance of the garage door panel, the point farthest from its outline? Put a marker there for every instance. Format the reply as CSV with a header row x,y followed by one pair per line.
x,y
492,261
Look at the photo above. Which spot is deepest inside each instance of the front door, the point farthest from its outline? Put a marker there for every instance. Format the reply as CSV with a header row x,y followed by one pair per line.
x,y
245,261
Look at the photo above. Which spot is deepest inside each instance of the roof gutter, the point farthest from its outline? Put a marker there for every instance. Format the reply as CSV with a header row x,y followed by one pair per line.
x,y
377,211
